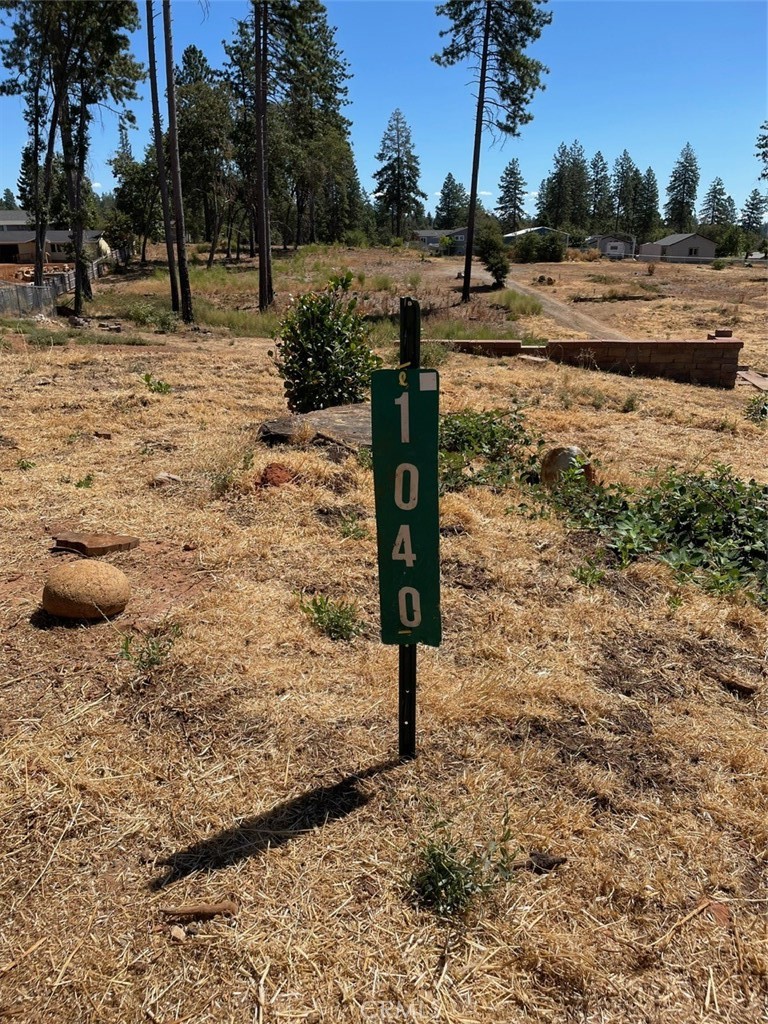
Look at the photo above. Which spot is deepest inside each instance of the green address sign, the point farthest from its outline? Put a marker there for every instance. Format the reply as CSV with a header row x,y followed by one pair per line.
x,y
404,418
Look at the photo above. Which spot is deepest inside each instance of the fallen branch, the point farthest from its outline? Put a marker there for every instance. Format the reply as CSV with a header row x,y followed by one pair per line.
x,y
201,911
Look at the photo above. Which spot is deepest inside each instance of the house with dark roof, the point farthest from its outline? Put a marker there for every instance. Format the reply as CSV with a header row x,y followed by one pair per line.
x,y
14,220
684,248
17,245
432,239
616,245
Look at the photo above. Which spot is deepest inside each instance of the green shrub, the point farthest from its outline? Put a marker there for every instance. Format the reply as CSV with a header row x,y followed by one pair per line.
x,y
322,352
490,248
551,248
718,264
485,448
711,529
526,249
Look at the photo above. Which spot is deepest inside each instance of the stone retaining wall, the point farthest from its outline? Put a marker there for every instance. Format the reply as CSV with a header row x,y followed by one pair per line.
x,y
713,363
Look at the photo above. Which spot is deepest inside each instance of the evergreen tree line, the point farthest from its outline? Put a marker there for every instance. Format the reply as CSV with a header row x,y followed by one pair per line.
x,y
586,197
257,152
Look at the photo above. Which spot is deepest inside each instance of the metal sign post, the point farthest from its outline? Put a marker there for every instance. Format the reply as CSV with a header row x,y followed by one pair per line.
x,y
404,418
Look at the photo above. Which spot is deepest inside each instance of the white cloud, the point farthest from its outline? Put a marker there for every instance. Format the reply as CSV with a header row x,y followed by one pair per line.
x,y
437,193
96,184
485,193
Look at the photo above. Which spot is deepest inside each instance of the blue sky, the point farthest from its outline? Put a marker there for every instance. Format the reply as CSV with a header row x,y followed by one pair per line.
x,y
645,75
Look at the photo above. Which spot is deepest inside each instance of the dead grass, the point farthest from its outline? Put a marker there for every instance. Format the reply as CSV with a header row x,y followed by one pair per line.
x,y
253,762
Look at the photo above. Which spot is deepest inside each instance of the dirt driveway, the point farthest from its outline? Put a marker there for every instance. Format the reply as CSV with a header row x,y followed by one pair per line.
x,y
566,315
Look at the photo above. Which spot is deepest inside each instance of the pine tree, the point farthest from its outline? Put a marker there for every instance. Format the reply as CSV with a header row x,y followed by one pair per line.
x,y
647,220
397,179
625,183
495,34
753,211
600,195
715,208
681,192
553,203
511,204
453,208
762,149
577,178
8,202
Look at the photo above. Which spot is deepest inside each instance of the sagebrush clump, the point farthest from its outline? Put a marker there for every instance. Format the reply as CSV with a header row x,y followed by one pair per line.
x,y
323,354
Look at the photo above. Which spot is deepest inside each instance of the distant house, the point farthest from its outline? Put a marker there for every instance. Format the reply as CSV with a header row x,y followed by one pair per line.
x,y
432,239
514,236
18,246
690,248
616,246
14,220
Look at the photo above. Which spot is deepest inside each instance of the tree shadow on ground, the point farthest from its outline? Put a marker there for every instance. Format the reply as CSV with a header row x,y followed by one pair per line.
x,y
282,824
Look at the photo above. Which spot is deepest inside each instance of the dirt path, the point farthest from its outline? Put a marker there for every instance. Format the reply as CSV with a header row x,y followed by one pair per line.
x,y
566,315
558,311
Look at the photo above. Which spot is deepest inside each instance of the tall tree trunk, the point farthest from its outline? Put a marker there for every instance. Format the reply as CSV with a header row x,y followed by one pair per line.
x,y
73,128
178,204
157,131
262,217
470,242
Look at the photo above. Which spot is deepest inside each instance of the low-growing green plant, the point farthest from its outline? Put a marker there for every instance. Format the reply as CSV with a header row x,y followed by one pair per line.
x,y
86,482
365,458
718,264
630,403
757,410
147,653
339,620
322,353
449,876
351,528
710,528
589,573
156,386
486,448
25,464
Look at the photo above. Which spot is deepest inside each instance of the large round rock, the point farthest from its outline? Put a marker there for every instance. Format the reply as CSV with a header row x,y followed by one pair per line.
x,y
86,590
558,461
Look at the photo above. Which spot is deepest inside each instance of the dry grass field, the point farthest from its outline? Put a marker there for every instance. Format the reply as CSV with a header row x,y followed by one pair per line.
x,y
212,744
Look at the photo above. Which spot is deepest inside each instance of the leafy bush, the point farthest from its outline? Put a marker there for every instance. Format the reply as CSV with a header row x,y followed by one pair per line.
x,y
551,248
718,264
487,448
323,354
526,249
712,529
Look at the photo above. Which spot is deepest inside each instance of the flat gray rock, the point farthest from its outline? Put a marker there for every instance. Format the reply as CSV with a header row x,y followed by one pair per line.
x,y
341,424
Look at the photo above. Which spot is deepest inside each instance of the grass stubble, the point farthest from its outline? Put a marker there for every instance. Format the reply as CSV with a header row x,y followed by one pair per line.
x,y
253,761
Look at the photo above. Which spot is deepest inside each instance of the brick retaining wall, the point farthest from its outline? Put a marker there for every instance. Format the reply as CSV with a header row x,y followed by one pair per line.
x,y
713,363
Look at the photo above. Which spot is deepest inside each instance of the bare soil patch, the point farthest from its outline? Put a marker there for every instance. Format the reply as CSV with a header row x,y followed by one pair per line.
x,y
239,754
